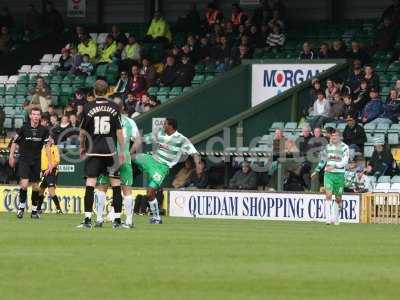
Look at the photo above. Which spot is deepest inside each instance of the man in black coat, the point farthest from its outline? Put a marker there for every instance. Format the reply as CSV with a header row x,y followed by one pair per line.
x,y
169,75
354,135
185,73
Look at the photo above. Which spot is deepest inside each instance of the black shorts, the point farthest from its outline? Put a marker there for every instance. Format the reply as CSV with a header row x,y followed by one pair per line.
x,y
101,165
29,170
49,180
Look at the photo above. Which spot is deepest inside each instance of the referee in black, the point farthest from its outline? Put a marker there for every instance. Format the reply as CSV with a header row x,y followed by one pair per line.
x,y
30,139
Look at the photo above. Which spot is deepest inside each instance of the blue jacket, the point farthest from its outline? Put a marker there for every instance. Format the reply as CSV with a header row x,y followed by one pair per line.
x,y
391,110
372,109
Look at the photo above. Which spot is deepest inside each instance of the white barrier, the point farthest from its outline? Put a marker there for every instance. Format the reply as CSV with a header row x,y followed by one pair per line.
x,y
258,206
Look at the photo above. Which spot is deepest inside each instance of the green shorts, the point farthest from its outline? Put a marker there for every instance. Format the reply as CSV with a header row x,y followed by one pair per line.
x,y
334,183
154,169
125,173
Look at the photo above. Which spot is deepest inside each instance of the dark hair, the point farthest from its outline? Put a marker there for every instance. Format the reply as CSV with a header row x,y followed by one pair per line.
x,y
36,108
330,130
172,122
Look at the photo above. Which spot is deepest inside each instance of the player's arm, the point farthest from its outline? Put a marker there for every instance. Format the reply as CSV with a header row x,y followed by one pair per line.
x,y
48,152
136,139
189,149
17,138
121,143
321,163
82,136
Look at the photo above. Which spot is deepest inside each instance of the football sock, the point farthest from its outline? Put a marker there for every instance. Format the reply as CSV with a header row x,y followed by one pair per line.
x,y
22,198
35,200
40,202
328,215
128,204
56,202
101,199
154,208
335,212
89,199
117,199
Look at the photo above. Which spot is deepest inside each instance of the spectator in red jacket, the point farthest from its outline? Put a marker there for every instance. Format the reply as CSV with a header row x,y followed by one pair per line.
x,y
137,84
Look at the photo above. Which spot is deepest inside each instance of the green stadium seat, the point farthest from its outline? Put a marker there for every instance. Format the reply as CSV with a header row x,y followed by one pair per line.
x,y
385,92
11,90
163,91
209,77
56,79
369,127
9,111
79,80
199,68
393,138
380,68
68,79
176,91
290,126
89,82
18,122
101,70
21,90
2,101
162,98
394,128
382,128
23,79
10,101
276,125
2,90
333,125
187,89
210,69
394,67
153,90
368,150
8,123
198,79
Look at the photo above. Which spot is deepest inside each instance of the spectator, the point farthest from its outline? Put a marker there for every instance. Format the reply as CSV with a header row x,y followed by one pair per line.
x,y
185,73
244,179
190,22
359,182
338,49
63,131
87,46
373,108
86,67
118,36
223,54
354,136
32,20
213,16
41,95
6,18
131,52
315,89
5,40
159,30
183,175
362,96
204,51
390,110
355,78
342,88
255,38
349,108
76,59
381,162
137,84
122,85
77,35
238,16
385,36
391,12
239,53
130,104
357,53
198,178
276,21
169,74
78,103
316,143
371,77
324,52
108,51
303,140
65,61
117,56
307,52
53,19
53,121
330,90
276,39
293,180
336,110
149,72
74,136
320,112
397,86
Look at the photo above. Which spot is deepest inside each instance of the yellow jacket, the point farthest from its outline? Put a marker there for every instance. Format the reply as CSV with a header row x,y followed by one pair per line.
x,y
54,157
159,28
90,49
107,53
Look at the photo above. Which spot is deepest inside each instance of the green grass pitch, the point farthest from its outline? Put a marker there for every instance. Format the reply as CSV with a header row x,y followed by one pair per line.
x,y
197,259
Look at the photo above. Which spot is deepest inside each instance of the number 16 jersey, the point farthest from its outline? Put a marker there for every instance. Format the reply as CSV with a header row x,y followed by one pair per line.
x,y
101,120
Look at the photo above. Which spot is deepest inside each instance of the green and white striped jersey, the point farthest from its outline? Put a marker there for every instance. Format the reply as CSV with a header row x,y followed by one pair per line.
x,y
131,132
336,156
170,148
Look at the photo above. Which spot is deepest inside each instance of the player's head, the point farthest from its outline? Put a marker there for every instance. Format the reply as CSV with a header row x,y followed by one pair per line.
x,y
35,115
334,136
120,103
100,88
170,125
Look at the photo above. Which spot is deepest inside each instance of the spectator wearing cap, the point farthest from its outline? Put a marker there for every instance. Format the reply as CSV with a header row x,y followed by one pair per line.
x,y
324,51
5,40
371,77
373,108
65,61
118,36
132,50
148,71
381,162
137,84
354,136
338,49
356,52
361,97
307,52
122,85
185,73
169,74
159,30
244,179
87,46
276,39
108,51
390,110
320,111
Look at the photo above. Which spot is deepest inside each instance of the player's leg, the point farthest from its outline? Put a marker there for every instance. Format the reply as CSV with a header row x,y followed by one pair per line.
x,y
153,203
328,185
42,189
34,178
126,177
117,201
101,190
337,204
23,173
54,197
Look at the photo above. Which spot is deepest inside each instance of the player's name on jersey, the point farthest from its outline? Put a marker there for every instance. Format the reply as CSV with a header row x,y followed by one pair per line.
x,y
66,168
102,108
